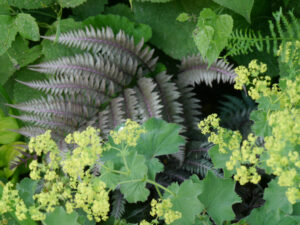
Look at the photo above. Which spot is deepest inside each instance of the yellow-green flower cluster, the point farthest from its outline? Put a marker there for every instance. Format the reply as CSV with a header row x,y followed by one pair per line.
x,y
88,151
291,52
92,197
240,154
78,189
281,146
244,74
11,202
129,134
162,208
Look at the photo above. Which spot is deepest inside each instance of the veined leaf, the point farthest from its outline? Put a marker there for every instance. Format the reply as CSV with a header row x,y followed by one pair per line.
x,y
6,136
243,7
26,190
185,195
27,26
218,196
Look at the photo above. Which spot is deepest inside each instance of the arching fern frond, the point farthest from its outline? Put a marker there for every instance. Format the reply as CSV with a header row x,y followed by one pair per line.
x,y
88,65
105,41
118,205
194,70
282,31
235,113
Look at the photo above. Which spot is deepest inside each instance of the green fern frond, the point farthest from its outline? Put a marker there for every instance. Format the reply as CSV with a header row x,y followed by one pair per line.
x,y
282,31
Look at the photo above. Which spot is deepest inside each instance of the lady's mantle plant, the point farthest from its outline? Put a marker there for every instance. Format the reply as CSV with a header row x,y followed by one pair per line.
x,y
79,182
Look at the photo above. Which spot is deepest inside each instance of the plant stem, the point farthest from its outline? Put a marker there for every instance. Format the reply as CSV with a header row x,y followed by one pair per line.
x,y
160,186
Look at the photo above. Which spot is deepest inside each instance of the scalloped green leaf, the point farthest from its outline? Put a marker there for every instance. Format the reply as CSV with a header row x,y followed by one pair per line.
x,y
133,185
70,3
185,201
27,26
218,196
30,4
260,126
107,176
243,7
60,216
276,199
160,138
26,190
219,160
8,32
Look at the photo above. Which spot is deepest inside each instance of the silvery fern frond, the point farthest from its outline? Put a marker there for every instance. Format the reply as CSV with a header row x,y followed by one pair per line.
x,y
105,41
194,70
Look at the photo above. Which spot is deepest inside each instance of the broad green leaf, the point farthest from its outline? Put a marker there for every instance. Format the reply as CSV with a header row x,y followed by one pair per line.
x,y
121,10
133,185
212,33
59,216
23,93
218,196
8,31
18,56
160,138
7,124
82,218
268,103
185,201
70,3
89,8
26,190
260,216
30,4
260,126
219,160
107,176
173,37
27,26
243,7
276,200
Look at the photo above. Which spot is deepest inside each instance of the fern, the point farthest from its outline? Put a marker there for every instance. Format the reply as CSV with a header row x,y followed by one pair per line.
x,y
235,113
118,205
281,29
109,83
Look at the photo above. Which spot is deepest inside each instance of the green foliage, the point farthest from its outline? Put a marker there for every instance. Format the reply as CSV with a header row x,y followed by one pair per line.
x,y
27,188
217,194
212,33
169,35
281,30
89,8
70,3
241,7
27,26
59,216
7,32
186,194
6,125
28,4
